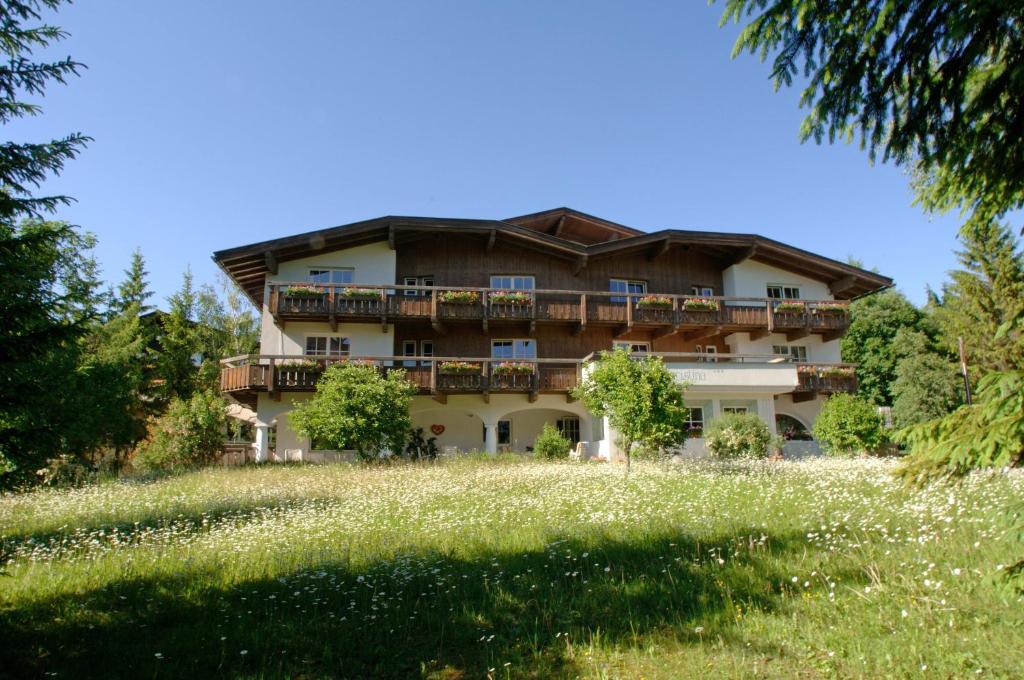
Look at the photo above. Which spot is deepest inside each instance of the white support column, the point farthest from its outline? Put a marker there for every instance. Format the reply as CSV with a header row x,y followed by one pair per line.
x,y
262,443
716,408
491,437
766,409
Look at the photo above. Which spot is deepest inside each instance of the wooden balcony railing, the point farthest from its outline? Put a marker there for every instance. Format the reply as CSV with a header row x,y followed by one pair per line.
x,y
440,376
668,313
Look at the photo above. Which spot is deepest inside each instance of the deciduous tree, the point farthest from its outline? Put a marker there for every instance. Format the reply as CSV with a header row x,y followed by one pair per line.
x,y
640,397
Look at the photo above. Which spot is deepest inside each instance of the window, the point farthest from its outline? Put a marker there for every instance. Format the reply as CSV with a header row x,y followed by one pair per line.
x,y
326,346
794,352
734,409
426,349
702,291
632,347
569,428
781,292
513,282
695,421
331,275
519,348
417,281
626,286
409,350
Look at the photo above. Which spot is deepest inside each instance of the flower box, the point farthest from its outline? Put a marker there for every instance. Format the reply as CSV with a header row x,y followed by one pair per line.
x,y
303,292
459,297
797,307
459,368
512,368
836,372
510,297
655,302
359,294
700,305
830,308
301,365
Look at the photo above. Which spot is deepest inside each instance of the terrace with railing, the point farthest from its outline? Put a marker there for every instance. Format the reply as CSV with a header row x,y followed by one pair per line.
x,y
245,376
661,314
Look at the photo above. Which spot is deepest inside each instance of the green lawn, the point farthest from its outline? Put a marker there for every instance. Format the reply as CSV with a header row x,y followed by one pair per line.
x,y
514,569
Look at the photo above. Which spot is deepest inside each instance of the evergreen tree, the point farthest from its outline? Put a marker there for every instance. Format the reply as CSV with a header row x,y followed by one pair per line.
x,y
179,344
874,322
134,290
985,295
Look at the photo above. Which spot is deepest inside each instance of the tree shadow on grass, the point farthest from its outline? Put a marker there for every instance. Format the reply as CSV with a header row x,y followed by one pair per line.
x,y
416,614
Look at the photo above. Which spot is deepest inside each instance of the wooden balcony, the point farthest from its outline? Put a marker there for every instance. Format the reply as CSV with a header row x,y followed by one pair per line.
x,y
661,315
245,377
823,380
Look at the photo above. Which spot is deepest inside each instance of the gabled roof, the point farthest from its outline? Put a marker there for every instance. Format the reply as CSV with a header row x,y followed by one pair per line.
x,y
562,232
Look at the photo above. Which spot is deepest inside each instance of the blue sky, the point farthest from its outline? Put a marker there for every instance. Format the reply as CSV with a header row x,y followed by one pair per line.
x,y
218,124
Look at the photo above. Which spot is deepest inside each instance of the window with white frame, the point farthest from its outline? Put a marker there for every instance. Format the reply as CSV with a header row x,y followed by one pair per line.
x,y
695,421
514,348
410,347
783,292
734,409
794,352
327,346
702,291
569,427
512,282
626,286
340,275
632,347
417,281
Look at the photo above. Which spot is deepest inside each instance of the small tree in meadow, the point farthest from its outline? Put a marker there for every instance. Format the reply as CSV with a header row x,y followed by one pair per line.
x,y
551,444
189,434
738,435
355,407
640,398
849,424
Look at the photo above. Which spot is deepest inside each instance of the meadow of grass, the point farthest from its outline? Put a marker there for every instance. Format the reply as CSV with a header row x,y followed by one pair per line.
x,y
507,568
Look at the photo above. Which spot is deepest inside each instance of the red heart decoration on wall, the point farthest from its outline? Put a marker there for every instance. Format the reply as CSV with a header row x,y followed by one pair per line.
x,y
438,430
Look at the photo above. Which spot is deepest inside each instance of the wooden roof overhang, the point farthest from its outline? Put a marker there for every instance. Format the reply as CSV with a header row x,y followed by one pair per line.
x,y
249,265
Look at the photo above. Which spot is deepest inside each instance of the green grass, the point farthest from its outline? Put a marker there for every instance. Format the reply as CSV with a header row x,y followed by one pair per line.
x,y
514,569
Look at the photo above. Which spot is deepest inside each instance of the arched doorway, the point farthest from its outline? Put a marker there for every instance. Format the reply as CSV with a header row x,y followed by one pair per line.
x,y
454,429
517,430
791,428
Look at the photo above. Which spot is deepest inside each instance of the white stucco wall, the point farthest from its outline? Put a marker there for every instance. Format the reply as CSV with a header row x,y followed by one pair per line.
x,y
817,351
750,278
365,339
372,264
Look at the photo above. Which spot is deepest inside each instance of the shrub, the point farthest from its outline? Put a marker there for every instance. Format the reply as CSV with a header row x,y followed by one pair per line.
x,y
849,424
189,434
551,444
738,435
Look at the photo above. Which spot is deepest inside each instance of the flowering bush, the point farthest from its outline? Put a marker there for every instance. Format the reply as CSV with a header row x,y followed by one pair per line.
x,y
304,291
510,297
655,302
700,305
738,435
512,368
790,307
359,293
459,367
459,297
